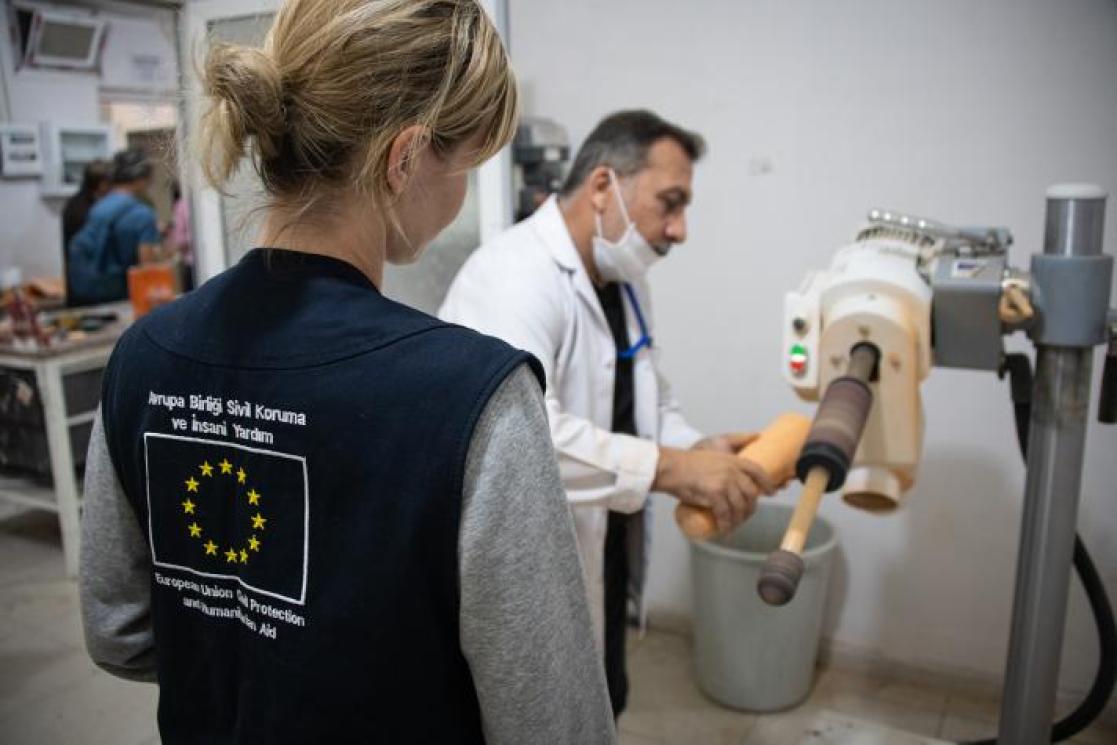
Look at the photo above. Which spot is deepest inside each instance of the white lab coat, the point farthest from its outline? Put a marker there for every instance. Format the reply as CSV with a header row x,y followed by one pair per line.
x,y
529,287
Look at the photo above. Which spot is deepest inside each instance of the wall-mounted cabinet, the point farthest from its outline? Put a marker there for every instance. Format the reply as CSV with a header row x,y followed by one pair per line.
x,y
67,149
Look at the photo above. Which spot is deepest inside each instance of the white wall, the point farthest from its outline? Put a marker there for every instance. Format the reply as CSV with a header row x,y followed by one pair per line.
x,y
30,231
139,53
961,110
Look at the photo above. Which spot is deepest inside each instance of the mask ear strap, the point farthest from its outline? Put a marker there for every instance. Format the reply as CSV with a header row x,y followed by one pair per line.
x,y
620,197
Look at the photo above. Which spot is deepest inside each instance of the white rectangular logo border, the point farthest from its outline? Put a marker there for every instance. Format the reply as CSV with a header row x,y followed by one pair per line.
x,y
301,600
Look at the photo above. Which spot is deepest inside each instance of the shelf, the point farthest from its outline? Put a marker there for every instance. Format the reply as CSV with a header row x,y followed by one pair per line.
x,y
58,192
24,491
85,418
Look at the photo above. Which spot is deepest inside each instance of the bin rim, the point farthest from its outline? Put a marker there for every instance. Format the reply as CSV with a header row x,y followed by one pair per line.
x,y
810,556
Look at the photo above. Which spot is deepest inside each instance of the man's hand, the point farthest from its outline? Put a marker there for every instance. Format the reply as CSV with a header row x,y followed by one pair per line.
x,y
726,485
735,442
731,442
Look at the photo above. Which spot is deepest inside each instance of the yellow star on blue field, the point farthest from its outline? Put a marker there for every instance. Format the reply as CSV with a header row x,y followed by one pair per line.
x,y
196,528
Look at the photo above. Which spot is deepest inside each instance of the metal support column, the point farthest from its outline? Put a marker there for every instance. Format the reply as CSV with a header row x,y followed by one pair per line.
x,y
1064,339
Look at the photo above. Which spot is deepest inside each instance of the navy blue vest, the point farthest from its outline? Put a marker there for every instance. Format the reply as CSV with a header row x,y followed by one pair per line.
x,y
293,444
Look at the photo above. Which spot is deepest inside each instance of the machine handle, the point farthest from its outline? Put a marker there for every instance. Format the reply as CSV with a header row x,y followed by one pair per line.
x,y
823,463
779,579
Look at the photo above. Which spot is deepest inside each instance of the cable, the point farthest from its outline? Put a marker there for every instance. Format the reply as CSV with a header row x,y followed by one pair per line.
x,y
1102,688
1019,369
1020,382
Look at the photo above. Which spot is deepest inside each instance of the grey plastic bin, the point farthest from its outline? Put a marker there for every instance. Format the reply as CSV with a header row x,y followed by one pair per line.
x,y
749,655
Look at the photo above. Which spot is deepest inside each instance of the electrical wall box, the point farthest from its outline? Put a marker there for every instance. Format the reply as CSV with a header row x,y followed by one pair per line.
x,y
67,150
21,151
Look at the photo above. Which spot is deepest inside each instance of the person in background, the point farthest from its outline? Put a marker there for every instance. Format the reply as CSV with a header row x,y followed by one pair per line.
x,y
121,231
314,514
568,285
180,241
95,183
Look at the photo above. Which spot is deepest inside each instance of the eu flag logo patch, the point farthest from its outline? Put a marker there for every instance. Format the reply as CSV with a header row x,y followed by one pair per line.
x,y
228,511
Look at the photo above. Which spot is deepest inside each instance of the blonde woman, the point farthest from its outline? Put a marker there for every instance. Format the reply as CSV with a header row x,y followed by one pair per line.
x,y
314,515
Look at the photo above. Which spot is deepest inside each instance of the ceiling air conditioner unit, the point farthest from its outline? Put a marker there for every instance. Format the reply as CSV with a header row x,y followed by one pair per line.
x,y
60,40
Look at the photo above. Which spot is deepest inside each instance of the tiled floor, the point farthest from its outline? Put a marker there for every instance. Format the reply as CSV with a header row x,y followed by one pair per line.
x,y
50,694
843,709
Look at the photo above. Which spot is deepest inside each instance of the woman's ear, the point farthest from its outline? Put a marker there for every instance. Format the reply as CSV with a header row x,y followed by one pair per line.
x,y
403,156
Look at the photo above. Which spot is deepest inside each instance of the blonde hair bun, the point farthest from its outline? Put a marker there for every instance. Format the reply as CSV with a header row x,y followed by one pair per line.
x,y
246,90
318,107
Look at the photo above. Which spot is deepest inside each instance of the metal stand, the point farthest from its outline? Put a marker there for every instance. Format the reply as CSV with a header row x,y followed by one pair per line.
x,y
1073,282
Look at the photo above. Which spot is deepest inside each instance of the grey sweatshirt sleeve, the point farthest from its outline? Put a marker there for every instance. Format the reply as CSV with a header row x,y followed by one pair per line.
x,y
525,623
115,581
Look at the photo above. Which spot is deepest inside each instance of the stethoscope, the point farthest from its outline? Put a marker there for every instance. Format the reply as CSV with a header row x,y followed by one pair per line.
x,y
645,339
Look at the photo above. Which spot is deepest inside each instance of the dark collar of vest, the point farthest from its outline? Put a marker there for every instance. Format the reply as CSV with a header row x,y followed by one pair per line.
x,y
282,309
282,263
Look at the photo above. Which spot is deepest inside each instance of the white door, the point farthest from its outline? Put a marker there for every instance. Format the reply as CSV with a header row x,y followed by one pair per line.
x,y
225,227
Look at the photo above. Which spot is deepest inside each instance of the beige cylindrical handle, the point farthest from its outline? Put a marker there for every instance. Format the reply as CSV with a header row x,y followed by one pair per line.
x,y
803,517
779,579
775,450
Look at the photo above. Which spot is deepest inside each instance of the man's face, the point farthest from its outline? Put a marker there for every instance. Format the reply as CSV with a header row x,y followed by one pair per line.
x,y
656,197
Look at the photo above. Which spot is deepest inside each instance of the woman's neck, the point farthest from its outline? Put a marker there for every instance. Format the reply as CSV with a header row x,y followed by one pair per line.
x,y
359,240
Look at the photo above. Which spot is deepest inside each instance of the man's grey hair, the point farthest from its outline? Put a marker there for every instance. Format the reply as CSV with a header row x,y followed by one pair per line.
x,y
621,141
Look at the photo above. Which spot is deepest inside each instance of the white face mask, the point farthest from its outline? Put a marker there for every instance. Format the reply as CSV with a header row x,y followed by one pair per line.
x,y
629,258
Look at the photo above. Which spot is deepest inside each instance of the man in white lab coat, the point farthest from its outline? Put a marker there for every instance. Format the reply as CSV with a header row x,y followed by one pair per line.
x,y
568,285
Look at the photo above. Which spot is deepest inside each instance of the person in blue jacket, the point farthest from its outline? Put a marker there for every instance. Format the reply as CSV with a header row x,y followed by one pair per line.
x,y
120,232
313,514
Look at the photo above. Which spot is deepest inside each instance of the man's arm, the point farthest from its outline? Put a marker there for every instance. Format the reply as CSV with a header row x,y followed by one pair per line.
x,y
674,430
115,580
525,624
597,466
